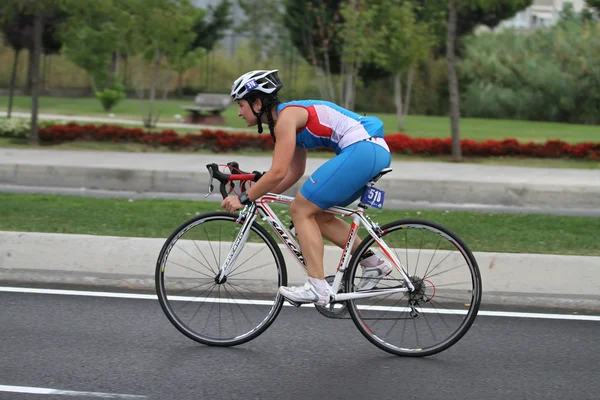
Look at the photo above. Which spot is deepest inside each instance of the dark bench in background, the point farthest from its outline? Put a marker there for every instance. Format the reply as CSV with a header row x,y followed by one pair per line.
x,y
207,109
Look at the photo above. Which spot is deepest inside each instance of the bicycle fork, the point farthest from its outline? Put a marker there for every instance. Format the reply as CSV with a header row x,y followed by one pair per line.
x,y
248,216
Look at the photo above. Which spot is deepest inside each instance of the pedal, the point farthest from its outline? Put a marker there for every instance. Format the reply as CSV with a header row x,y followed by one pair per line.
x,y
294,303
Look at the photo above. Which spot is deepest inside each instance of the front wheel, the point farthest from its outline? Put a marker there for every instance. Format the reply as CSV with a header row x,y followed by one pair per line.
x,y
447,292
212,311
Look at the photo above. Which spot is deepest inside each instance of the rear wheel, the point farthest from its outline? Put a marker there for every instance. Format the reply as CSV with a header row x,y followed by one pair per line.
x,y
225,313
447,292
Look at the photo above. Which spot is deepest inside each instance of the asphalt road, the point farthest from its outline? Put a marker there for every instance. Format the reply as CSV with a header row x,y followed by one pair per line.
x,y
113,347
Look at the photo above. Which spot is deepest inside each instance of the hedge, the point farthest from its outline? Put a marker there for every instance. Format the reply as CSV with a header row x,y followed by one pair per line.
x,y
222,141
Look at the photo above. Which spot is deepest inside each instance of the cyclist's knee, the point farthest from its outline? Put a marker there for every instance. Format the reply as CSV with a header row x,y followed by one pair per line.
x,y
323,217
301,207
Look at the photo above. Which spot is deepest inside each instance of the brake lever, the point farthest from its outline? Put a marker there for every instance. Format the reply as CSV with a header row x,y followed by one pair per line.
x,y
210,185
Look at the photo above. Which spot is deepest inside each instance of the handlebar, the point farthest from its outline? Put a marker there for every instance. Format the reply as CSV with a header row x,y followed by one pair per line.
x,y
228,179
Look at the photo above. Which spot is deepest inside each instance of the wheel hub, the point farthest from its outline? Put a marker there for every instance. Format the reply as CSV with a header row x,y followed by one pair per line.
x,y
417,296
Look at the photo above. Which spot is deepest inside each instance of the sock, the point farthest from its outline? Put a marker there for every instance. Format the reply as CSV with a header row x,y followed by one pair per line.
x,y
372,261
320,285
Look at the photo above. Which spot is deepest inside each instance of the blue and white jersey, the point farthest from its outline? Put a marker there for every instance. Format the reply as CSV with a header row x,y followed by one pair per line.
x,y
332,126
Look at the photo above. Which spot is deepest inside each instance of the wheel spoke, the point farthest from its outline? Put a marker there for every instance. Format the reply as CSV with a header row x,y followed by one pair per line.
x,y
443,285
233,316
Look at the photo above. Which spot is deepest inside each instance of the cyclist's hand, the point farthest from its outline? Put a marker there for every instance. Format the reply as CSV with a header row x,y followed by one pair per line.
x,y
231,204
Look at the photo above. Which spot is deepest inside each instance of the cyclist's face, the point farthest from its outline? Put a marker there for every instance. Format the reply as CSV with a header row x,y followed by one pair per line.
x,y
245,112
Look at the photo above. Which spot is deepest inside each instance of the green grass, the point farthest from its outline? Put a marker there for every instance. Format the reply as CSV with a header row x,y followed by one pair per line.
x,y
416,125
490,232
126,109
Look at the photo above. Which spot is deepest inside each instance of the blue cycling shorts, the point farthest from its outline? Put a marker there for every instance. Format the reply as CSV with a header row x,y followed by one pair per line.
x,y
341,180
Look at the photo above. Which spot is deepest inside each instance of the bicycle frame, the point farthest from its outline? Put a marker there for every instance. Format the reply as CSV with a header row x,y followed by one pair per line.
x,y
261,206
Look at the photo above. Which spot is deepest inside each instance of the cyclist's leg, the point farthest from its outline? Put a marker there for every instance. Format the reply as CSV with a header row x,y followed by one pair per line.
x,y
337,182
335,230
316,290
303,214
372,158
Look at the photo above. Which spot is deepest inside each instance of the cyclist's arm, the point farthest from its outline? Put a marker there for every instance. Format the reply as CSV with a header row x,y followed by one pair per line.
x,y
295,172
285,146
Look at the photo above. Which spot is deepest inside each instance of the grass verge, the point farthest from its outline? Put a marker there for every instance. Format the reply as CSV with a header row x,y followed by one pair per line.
x,y
157,218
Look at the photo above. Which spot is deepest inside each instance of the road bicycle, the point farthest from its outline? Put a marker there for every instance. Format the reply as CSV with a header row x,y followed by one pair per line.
x,y
218,274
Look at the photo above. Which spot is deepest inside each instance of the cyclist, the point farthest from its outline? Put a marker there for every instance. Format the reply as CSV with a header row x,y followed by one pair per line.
x,y
296,126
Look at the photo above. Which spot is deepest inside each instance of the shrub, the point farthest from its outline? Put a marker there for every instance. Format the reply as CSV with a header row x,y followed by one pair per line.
x,y
221,141
14,127
109,97
546,75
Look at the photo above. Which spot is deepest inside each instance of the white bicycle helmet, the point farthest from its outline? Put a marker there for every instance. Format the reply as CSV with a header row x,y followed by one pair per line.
x,y
263,81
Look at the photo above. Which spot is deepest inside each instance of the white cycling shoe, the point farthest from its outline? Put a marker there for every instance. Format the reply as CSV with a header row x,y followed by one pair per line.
x,y
305,294
372,275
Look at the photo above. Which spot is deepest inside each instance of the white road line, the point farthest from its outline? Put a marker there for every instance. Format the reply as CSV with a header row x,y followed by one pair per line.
x,y
574,317
56,392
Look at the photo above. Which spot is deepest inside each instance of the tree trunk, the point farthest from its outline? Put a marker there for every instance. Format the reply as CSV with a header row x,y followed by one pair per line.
x,y
348,90
126,71
330,89
321,78
453,81
409,83
114,63
322,82
155,73
180,85
43,74
342,79
398,100
28,83
165,85
35,75
13,78
137,79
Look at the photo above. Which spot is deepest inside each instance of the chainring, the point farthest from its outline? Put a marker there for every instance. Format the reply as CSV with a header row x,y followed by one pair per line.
x,y
333,310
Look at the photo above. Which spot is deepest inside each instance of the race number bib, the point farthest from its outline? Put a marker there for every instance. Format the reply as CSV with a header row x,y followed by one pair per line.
x,y
373,197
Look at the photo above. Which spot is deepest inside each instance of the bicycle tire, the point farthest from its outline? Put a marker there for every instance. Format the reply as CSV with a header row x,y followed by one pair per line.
x,y
252,293
463,290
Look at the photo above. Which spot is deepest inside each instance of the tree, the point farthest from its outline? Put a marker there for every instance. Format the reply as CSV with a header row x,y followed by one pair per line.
x,y
93,40
210,27
262,24
406,40
13,23
360,39
594,4
51,43
312,30
463,17
548,74
16,22
208,32
91,35
40,11
159,31
453,81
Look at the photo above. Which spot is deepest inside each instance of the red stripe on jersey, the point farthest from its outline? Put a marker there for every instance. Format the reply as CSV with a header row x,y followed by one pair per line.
x,y
314,125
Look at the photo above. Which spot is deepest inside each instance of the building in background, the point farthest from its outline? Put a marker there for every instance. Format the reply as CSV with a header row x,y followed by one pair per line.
x,y
541,13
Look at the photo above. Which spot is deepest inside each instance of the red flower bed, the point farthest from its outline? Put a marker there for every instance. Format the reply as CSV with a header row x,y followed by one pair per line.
x,y
219,140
